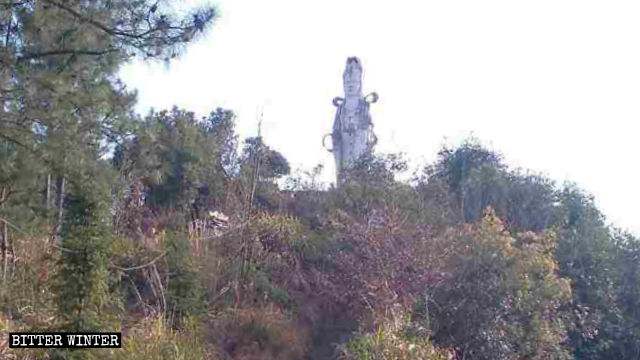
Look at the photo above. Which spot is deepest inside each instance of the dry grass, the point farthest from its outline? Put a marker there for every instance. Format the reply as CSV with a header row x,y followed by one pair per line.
x,y
26,296
392,341
151,339
253,333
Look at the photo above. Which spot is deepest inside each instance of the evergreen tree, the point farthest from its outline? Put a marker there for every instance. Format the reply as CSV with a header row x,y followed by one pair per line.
x,y
62,102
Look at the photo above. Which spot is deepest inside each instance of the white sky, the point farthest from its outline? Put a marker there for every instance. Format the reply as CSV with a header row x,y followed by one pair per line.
x,y
553,85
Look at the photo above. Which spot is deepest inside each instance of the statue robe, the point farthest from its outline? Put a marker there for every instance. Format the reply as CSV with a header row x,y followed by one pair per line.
x,y
352,133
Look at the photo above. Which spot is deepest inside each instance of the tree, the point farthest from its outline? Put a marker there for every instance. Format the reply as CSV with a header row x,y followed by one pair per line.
x,y
622,327
455,165
62,101
586,255
176,163
370,182
63,110
477,178
260,167
272,164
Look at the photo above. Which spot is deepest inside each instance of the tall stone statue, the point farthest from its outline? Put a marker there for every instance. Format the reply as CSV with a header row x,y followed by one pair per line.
x,y
352,134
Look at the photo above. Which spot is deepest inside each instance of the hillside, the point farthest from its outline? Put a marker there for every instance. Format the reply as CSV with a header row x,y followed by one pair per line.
x,y
196,244
469,259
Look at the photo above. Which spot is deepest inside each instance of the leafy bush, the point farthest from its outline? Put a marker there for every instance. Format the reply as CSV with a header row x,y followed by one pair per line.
x,y
389,341
504,299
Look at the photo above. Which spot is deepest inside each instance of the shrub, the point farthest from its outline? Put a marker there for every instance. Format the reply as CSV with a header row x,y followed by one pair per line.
x,y
185,295
504,300
390,341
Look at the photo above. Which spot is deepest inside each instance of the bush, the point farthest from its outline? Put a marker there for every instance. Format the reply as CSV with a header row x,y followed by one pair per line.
x,y
389,341
504,299
84,277
185,295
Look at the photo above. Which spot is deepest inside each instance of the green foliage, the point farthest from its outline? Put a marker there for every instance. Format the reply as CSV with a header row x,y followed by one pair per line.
x,y
271,291
63,106
350,254
504,299
370,184
277,233
455,165
272,164
152,339
306,180
86,241
586,251
622,323
185,296
390,341
84,277
377,171
591,256
477,178
179,161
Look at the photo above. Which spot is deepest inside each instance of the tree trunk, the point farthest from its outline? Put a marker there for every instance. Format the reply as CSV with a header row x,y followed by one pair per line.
x,y
60,182
5,238
4,194
5,234
47,192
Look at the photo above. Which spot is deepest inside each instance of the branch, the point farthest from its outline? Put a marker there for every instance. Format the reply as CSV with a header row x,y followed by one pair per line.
x,y
140,266
84,19
14,226
226,232
66,52
237,189
6,192
112,31
222,292
10,139
15,3
26,233
65,249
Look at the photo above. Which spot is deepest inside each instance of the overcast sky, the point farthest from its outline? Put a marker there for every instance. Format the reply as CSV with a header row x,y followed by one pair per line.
x,y
553,85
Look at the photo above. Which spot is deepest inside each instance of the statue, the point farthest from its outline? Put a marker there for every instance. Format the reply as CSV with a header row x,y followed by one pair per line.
x,y
352,134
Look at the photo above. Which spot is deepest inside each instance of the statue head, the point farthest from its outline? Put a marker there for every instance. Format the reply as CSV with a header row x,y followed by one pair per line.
x,y
352,77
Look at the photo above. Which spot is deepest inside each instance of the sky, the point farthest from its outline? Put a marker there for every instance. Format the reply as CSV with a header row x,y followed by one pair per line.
x,y
552,85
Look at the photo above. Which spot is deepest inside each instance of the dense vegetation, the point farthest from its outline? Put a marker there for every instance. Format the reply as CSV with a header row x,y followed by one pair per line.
x,y
161,228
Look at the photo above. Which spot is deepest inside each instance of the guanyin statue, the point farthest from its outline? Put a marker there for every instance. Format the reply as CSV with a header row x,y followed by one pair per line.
x,y
352,134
